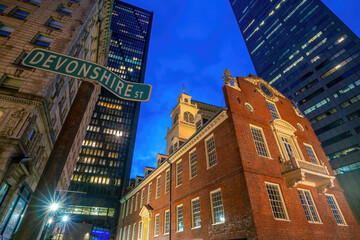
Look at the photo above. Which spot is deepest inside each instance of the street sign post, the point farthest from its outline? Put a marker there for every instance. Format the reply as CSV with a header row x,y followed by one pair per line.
x,y
78,68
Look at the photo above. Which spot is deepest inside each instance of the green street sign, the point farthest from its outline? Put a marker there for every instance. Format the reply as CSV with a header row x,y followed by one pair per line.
x,y
78,68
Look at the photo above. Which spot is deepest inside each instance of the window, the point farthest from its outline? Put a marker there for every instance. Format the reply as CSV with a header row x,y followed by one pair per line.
x,y
132,205
55,23
156,227
140,230
167,222
188,117
158,186
133,233
310,151
12,82
19,13
178,173
34,2
217,207
193,164
276,201
129,233
127,206
339,218
3,7
195,213
65,10
124,209
311,212
136,201
5,31
211,151
167,184
42,40
259,141
149,193
288,145
124,236
179,218
273,110
4,189
142,200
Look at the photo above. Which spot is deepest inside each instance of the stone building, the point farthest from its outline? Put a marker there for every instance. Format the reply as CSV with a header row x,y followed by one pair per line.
x,y
35,103
252,170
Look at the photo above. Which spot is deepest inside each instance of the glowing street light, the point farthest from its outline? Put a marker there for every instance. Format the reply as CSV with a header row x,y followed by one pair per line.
x,y
54,207
50,221
65,218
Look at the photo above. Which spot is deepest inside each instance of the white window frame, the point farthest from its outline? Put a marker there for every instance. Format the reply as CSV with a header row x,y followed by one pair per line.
x,y
142,199
127,207
158,187
207,153
308,207
156,225
166,233
132,204
121,233
282,201
124,210
338,208
136,201
191,165
313,151
277,110
167,181
133,231
129,233
177,173
265,141
212,207
149,193
177,218
124,234
192,213
140,230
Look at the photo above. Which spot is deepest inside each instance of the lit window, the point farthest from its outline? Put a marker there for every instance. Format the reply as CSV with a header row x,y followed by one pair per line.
x,y
19,13
139,230
276,201
217,207
289,148
179,218
193,164
158,182
156,228
55,23
5,31
167,222
167,184
273,110
65,10
311,212
310,151
211,151
34,2
42,40
3,7
178,173
259,141
124,236
149,193
195,211
339,218
3,191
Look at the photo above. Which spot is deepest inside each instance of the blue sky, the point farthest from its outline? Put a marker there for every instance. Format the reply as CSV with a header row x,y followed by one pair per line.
x,y
192,42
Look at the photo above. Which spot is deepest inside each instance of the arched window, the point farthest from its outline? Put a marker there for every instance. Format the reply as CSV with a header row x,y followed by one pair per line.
x,y
176,117
171,150
188,117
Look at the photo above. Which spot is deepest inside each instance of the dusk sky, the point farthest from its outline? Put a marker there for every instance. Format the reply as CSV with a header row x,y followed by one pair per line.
x,y
192,42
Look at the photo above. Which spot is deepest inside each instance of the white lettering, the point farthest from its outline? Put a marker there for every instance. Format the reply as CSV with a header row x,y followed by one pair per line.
x,y
113,81
48,60
95,71
59,63
128,89
83,69
33,61
106,77
119,87
68,67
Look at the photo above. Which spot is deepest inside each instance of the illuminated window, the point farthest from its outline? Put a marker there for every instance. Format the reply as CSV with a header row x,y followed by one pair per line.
x,y
167,222
42,40
167,184
156,225
195,213
3,7
55,23
273,110
158,182
310,151
65,10
210,151
217,208
149,193
311,212
193,164
178,173
276,201
339,218
139,230
259,141
5,30
20,13
179,218
34,2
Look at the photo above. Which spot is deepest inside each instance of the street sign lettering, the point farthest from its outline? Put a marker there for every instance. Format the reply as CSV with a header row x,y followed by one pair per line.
x,y
78,68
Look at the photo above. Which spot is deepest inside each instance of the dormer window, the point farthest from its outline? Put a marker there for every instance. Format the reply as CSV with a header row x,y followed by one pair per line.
x,y
186,100
198,125
188,117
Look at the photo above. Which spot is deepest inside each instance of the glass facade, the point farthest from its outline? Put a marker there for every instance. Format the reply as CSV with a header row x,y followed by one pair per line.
x,y
104,163
312,57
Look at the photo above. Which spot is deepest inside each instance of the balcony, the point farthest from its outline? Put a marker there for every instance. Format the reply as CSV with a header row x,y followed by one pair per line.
x,y
297,171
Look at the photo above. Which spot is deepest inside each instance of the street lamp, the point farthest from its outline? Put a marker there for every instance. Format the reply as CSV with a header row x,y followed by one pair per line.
x,y
65,218
54,206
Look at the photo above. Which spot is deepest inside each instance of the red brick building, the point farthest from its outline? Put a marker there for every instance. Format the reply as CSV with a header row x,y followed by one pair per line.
x,y
252,170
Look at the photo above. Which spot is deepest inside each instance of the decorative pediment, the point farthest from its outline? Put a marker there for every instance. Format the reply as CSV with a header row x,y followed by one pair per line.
x,y
146,211
282,126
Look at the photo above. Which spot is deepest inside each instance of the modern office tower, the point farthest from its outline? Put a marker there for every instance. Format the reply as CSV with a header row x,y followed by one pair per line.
x,y
306,52
104,164
35,103
253,170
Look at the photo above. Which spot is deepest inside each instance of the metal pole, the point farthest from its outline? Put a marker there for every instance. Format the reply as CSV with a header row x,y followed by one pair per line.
x,y
45,190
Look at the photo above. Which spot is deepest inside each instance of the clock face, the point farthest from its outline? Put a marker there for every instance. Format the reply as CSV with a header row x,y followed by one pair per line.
x,y
266,90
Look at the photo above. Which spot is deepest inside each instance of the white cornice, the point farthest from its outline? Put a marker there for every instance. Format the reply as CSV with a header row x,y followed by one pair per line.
x,y
188,145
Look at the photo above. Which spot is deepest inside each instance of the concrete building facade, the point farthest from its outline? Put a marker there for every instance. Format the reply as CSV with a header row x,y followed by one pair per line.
x,y
253,170
35,103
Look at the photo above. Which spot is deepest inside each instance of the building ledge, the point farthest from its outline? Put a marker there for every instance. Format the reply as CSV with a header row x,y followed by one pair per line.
x,y
296,171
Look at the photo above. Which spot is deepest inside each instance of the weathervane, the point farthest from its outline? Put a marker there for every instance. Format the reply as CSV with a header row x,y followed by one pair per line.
x,y
183,88
227,78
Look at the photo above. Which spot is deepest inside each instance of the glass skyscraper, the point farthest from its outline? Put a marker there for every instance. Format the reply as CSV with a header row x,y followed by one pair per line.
x,y
103,168
312,57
